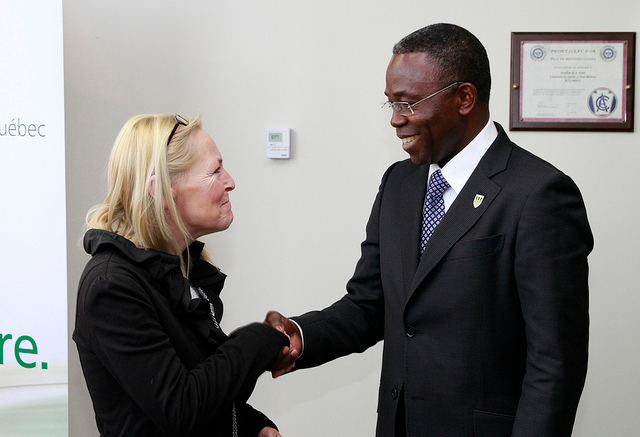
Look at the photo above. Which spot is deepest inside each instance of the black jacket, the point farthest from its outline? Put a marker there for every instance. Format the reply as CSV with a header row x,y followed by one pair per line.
x,y
487,334
154,362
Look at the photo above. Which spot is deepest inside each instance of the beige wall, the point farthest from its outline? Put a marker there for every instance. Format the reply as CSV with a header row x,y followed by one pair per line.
x,y
318,68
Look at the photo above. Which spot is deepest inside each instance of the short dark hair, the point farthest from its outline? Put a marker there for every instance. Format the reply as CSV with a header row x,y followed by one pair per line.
x,y
458,53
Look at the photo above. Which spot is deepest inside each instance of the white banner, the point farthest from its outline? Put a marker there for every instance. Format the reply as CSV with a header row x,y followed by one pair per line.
x,y
33,271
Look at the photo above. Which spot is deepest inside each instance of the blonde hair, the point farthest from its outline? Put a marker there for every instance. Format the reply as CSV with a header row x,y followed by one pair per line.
x,y
139,152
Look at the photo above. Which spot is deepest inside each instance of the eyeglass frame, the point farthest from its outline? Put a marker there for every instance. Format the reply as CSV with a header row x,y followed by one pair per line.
x,y
405,105
180,120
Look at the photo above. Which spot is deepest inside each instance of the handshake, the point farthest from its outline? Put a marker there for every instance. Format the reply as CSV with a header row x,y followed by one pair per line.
x,y
288,356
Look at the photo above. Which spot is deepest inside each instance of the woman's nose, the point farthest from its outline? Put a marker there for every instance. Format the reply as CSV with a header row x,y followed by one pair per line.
x,y
229,183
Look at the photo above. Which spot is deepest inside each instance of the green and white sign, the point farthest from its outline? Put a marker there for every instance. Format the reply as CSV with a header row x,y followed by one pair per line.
x,y
33,284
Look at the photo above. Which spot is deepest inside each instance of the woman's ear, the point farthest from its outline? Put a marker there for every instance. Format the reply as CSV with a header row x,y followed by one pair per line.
x,y
151,186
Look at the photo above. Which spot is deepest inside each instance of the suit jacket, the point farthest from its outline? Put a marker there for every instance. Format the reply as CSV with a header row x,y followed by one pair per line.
x,y
486,335
154,361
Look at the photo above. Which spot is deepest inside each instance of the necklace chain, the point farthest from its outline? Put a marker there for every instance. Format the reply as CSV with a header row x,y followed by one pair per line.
x,y
212,310
234,419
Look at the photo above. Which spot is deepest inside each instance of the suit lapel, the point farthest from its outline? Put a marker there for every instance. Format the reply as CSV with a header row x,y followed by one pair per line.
x,y
414,189
462,214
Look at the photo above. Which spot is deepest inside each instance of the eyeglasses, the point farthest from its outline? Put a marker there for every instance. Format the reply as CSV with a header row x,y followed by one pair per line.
x,y
404,108
179,121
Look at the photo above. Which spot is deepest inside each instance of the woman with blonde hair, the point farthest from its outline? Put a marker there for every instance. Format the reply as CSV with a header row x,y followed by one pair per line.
x,y
147,329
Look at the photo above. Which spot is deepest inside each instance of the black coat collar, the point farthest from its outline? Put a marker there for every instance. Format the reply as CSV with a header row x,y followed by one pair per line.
x,y
165,268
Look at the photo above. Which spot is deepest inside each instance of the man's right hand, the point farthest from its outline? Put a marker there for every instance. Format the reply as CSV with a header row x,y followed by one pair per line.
x,y
285,362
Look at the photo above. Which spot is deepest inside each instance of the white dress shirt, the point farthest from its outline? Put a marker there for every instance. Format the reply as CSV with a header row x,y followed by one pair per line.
x,y
458,170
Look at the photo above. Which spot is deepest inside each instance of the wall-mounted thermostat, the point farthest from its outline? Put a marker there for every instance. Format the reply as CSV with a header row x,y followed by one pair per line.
x,y
279,143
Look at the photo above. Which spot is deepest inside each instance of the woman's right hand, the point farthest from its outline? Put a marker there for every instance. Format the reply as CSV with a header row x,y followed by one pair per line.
x,y
267,431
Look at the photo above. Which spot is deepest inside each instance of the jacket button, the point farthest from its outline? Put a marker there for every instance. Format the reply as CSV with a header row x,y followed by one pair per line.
x,y
394,393
411,331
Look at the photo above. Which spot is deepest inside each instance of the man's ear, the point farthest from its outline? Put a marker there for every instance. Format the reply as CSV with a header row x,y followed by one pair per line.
x,y
468,95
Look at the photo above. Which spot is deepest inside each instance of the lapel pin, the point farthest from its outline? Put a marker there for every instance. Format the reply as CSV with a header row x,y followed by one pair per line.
x,y
477,201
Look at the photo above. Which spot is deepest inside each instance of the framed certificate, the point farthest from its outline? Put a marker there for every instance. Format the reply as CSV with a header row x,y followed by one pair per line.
x,y
572,81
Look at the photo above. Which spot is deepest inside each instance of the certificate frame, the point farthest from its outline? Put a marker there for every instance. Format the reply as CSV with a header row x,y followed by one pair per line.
x,y
559,81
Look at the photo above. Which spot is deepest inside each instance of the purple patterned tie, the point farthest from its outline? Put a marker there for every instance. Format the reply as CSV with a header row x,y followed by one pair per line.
x,y
433,207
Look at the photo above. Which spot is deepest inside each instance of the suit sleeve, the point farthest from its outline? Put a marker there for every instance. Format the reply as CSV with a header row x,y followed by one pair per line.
x,y
355,322
553,241
128,338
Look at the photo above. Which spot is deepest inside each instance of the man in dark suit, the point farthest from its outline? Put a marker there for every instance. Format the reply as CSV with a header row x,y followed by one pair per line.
x,y
484,319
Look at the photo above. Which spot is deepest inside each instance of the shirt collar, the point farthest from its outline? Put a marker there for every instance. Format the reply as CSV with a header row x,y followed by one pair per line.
x,y
458,170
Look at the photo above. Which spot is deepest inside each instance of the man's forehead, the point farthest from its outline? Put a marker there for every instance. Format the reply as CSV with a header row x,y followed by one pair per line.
x,y
410,71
